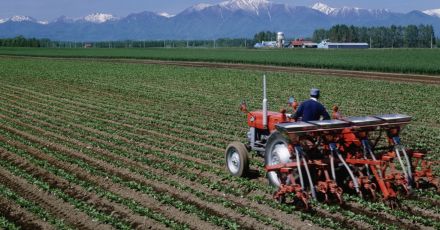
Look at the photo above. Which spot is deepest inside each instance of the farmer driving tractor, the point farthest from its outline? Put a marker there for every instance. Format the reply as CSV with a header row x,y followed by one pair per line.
x,y
311,110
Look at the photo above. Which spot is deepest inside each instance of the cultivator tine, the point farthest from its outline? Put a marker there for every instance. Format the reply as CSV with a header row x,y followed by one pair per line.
x,y
354,180
327,186
372,190
298,162
425,173
400,181
367,186
368,152
406,167
300,157
284,190
285,172
332,166
312,188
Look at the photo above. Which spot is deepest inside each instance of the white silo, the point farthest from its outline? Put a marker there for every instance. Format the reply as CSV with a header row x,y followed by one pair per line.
x,y
280,39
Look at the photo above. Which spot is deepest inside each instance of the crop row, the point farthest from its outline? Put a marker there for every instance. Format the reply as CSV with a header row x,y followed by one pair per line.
x,y
91,125
93,167
372,106
5,224
407,132
389,60
263,185
342,212
218,200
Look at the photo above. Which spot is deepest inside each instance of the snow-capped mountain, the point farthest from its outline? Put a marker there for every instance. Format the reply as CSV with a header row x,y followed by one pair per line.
x,y
347,11
165,14
198,7
245,5
325,9
433,12
228,19
19,18
99,18
43,22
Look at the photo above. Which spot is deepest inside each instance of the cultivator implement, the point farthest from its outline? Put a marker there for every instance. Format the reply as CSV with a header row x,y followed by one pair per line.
x,y
322,159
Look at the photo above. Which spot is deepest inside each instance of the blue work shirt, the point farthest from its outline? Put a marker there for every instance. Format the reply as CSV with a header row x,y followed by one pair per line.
x,y
311,110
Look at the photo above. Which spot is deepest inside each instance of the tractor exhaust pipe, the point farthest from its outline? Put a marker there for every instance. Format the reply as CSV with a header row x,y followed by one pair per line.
x,y
264,102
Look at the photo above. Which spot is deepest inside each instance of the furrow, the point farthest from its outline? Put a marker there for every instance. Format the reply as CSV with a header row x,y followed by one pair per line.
x,y
75,191
328,214
56,206
382,216
153,119
20,216
242,203
76,170
159,159
126,175
131,127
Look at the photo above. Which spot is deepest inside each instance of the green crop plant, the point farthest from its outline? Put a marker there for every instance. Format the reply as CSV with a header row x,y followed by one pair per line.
x,y
423,61
5,224
177,121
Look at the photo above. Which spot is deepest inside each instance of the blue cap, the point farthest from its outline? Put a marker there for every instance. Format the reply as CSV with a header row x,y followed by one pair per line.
x,y
314,92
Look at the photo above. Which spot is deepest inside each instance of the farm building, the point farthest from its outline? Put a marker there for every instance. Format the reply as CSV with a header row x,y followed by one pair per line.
x,y
269,44
340,45
301,43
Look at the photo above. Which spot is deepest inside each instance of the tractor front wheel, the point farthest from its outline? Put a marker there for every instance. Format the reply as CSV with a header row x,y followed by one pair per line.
x,y
277,152
237,159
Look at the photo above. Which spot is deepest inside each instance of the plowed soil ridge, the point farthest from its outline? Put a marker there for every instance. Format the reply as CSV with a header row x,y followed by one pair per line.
x,y
322,211
215,209
262,209
77,192
186,156
84,103
169,211
54,205
131,127
21,217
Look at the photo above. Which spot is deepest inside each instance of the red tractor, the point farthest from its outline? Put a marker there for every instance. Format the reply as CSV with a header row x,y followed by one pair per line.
x,y
323,158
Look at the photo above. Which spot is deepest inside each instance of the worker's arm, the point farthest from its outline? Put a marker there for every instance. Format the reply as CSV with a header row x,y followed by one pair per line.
x,y
299,112
325,114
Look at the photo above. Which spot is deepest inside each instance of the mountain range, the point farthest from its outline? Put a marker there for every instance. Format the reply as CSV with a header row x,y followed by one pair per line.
x,y
229,19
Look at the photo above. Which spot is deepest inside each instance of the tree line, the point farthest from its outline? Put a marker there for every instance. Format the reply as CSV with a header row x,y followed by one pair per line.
x,y
21,41
410,36
265,36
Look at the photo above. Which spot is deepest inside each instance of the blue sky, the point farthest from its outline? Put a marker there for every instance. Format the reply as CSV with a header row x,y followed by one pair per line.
x,y
50,9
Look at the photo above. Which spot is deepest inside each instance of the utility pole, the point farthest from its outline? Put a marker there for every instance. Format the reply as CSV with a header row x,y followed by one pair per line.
x,y
371,45
431,42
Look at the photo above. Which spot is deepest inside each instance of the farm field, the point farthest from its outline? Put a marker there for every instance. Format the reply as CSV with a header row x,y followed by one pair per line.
x,y
420,61
94,145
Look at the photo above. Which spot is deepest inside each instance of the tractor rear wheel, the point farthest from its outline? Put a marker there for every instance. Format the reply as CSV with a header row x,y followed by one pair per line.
x,y
277,152
237,159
